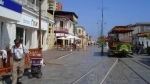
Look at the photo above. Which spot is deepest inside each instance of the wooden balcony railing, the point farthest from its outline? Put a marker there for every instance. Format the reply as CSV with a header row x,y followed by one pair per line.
x,y
61,29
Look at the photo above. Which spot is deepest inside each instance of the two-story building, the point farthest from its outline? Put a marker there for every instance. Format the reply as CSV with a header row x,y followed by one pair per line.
x,y
140,28
64,26
27,28
11,13
81,33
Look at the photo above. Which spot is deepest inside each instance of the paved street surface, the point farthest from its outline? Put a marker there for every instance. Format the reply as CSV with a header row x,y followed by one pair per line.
x,y
90,67
50,55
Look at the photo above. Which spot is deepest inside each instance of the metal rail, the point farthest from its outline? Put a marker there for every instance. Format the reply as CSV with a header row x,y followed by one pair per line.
x,y
77,80
134,70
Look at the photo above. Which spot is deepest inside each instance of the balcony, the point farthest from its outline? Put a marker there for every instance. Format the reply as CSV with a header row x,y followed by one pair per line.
x,y
28,4
51,1
60,30
50,16
81,35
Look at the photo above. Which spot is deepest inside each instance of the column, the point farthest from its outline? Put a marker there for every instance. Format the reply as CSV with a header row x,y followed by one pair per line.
x,y
0,35
35,2
24,35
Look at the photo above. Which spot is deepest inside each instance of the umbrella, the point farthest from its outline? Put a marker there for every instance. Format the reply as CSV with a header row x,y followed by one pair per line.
x,y
72,37
62,38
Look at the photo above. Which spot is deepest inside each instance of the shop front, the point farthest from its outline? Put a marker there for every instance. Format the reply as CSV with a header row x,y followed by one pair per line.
x,y
27,30
10,13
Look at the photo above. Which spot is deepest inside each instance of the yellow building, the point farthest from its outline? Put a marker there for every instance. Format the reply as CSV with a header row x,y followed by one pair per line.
x,y
51,5
81,33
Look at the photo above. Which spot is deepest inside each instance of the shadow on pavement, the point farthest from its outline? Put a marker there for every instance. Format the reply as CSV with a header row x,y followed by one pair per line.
x,y
8,80
100,54
145,61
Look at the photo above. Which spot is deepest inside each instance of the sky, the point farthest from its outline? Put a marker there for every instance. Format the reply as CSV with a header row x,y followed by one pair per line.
x,y
116,13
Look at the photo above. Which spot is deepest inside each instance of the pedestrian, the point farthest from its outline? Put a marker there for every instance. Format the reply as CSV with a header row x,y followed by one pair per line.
x,y
78,46
19,51
85,46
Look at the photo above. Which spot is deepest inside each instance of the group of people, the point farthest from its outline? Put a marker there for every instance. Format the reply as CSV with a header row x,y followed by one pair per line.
x,y
77,46
139,49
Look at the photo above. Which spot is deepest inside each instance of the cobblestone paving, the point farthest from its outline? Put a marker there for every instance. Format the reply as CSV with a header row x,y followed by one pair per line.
x,y
121,74
70,68
142,71
98,73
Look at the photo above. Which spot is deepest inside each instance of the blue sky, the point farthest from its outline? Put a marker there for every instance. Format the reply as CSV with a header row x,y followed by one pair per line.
x,y
117,13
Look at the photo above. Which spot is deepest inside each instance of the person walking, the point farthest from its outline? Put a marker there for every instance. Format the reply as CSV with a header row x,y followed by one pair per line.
x,y
19,51
85,46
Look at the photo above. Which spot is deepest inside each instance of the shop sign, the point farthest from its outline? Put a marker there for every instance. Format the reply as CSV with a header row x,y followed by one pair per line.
x,y
1,2
10,4
32,22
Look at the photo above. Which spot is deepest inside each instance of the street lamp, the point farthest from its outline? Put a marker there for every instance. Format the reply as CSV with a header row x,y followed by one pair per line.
x,y
101,32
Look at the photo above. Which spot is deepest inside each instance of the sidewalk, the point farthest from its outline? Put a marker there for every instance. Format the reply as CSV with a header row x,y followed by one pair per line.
x,y
50,55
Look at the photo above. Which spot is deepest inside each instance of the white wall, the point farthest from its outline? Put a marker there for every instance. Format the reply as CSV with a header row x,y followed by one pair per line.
x,y
70,28
8,35
44,7
29,38
44,41
0,36
34,38
12,15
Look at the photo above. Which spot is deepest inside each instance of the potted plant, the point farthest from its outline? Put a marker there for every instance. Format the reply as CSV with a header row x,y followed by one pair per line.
x,y
148,47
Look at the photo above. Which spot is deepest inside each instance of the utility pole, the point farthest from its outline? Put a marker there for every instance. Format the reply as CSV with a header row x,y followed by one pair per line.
x,y
102,43
39,43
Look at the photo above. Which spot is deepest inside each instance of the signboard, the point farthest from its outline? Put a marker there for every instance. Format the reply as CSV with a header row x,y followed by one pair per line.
x,y
10,4
29,21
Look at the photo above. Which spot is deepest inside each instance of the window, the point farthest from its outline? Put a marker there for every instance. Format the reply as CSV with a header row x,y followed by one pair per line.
x,y
61,24
79,31
19,34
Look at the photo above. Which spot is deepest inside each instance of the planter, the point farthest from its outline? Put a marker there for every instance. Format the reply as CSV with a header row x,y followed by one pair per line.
x,y
148,51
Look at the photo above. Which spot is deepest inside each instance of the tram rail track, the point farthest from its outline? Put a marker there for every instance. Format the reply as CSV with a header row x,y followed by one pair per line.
x,y
138,63
120,59
133,69
80,78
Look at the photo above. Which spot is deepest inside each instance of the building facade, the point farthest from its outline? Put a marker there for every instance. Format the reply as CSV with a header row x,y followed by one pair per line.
x,y
28,27
141,28
64,26
81,33
11,13
59,6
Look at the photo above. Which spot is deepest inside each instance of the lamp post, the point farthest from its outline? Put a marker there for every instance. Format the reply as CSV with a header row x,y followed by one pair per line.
x,y
39,36
101,32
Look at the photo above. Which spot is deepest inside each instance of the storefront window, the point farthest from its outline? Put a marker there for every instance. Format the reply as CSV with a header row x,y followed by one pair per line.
x,y
19,33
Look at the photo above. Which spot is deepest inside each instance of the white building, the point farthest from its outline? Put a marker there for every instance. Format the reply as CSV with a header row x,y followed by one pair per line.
x,y
141,28
27,26
64,26
10,13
